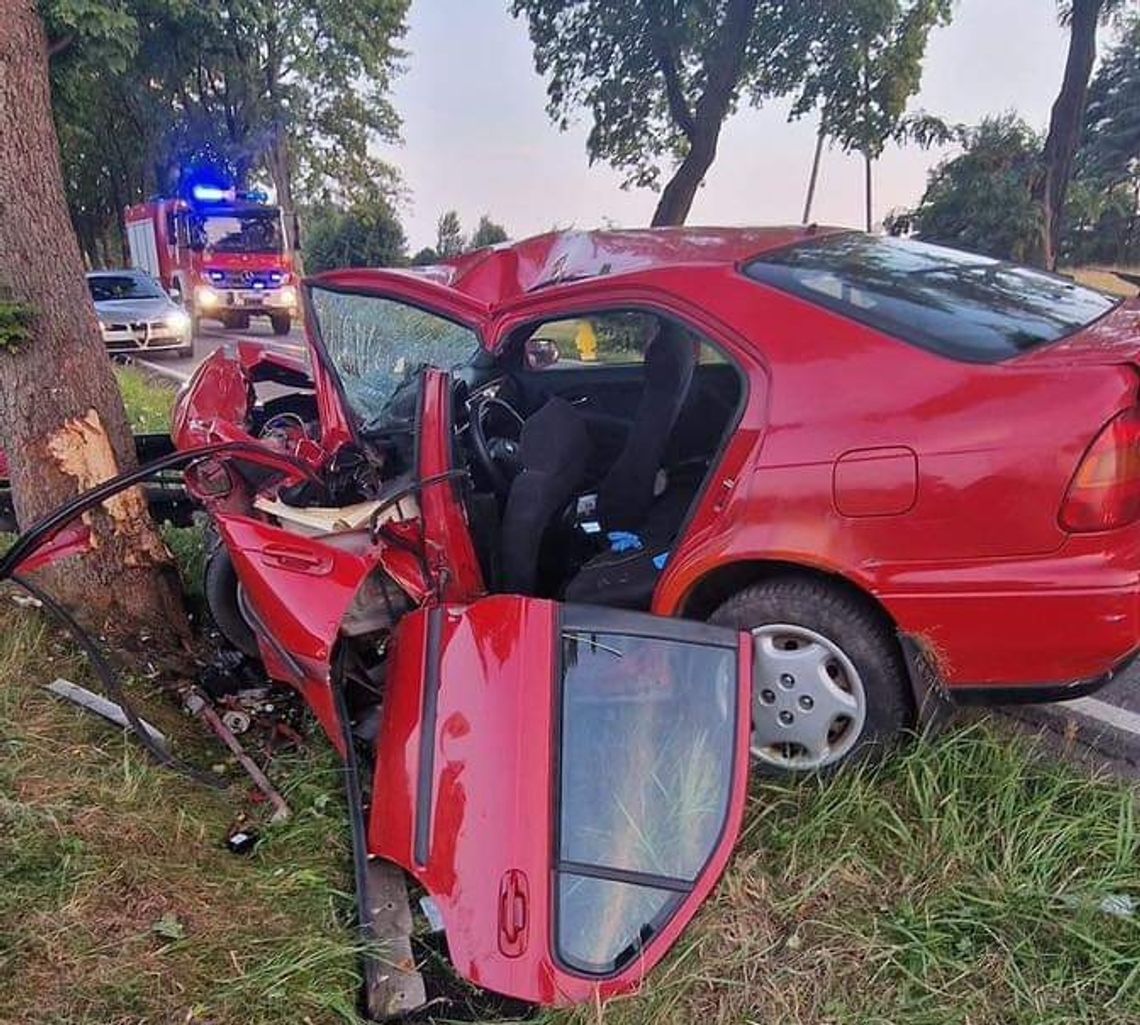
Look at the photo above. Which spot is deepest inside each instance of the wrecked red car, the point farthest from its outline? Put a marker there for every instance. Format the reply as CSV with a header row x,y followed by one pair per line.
x,y
556,539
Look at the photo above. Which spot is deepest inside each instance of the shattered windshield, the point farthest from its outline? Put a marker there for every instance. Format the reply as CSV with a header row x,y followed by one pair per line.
x,y
376,344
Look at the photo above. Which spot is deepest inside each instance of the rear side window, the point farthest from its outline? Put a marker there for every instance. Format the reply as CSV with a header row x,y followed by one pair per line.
x,y
967,307
647,747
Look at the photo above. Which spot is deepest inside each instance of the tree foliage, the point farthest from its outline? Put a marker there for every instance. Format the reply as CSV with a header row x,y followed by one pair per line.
x,y
292,89
449,238
365,234
487,233
980,200
659,77
865,64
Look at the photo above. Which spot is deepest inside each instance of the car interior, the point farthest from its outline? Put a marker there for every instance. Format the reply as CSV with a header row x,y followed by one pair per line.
x,y
583,443
588,442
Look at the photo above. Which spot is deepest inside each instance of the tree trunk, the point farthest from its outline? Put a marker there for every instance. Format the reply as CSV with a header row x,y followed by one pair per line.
x,y
814,176
62,421
281,171
677,197
722,74
1065,124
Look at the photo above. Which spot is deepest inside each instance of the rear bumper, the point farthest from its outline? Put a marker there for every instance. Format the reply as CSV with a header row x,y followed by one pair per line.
x,y
1025,629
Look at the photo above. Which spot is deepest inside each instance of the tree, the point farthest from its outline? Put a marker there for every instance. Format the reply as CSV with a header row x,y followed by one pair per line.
x,y
865,64
659,77
425,257
980,199
487,233
294,88
1110,138
62,421
366,234
1065,123
1102,207
450,241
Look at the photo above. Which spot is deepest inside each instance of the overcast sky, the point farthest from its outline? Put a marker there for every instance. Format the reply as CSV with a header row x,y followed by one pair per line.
x,y
477,137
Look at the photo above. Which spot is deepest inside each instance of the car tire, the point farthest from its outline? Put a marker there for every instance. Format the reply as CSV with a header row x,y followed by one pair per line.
x,y
220,582
281,323
236,321
831,686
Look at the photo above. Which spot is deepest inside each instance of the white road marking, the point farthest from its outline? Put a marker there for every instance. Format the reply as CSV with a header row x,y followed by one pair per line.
x,y
1102,711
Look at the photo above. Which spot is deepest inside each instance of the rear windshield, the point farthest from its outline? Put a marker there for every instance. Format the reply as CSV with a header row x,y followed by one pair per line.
x,y
956,304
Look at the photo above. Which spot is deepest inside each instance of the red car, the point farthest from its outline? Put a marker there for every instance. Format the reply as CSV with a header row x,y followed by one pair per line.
x,y
568,532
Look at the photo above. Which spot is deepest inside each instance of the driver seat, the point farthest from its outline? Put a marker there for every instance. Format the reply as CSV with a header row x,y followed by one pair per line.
x,y
554,449
626,493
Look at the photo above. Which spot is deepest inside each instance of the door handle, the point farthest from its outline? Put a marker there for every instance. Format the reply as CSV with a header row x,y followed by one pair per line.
x,y
300,560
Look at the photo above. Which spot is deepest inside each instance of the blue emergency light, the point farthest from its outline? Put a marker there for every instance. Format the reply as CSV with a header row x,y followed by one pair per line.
x,y
208,193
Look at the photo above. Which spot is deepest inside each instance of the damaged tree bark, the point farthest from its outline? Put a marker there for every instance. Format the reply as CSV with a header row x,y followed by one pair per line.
x,y
62,421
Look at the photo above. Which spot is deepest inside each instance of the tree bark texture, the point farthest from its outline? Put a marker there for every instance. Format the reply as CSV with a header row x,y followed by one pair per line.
x,y
1065,123
62,421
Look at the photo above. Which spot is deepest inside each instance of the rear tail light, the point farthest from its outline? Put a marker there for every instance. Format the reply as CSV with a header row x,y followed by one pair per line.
x,y
1105,491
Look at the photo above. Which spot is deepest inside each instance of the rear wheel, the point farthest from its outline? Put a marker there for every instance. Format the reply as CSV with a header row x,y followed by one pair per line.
x,y
281,323
830,685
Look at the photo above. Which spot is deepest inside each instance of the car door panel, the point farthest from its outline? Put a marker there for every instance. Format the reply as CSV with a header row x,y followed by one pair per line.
x,y
567,783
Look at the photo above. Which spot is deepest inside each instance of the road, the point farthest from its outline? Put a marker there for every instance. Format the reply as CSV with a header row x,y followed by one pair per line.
x,y
213,336
1106,725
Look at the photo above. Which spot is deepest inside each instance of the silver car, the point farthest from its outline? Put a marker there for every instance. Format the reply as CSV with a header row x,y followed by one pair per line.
x,y
136,315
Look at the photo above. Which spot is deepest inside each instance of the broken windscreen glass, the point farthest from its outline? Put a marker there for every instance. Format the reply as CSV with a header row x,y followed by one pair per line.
x,y
375,344
647,749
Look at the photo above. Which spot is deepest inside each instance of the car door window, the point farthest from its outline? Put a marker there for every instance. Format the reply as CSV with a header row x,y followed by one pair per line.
x,y
602,340
646,758
373,344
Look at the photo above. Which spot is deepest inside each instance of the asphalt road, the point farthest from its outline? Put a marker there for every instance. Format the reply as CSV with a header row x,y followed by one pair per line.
x,y
213,336
1103,728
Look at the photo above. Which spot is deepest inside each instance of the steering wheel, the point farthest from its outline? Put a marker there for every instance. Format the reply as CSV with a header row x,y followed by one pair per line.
x,y
498,456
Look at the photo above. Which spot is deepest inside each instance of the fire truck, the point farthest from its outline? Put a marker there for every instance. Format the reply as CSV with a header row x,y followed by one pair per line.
x,y
218,251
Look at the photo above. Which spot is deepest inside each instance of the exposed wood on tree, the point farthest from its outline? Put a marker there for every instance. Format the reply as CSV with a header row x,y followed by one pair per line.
x,y
62,421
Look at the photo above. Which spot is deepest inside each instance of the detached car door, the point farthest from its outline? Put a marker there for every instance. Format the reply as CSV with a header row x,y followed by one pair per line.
x,y
567,783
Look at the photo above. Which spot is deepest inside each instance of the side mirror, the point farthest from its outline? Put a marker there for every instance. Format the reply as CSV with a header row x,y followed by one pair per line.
x,y
541,353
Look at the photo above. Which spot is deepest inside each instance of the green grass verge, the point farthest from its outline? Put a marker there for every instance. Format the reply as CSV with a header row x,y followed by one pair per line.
x,y
960,883
148,405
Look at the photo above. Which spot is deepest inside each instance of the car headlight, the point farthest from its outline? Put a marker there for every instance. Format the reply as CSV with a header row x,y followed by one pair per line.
x,y
178,321
288,296
206,297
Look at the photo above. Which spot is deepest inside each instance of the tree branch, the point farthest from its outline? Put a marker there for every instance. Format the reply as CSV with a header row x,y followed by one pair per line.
x,y
666,60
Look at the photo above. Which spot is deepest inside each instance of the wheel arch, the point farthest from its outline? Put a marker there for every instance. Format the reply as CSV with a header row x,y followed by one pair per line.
x,y
724,580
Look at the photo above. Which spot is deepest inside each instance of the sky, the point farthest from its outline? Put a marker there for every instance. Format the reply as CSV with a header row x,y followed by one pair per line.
x,y
477,139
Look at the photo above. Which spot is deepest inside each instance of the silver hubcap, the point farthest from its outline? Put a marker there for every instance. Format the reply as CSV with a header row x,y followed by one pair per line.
x,y
808,703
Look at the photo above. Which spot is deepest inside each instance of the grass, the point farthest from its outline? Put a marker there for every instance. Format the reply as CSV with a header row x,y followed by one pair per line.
x,y
148,405
960,883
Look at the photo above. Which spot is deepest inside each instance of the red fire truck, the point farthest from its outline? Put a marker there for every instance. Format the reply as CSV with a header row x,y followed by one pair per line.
x,y
221,252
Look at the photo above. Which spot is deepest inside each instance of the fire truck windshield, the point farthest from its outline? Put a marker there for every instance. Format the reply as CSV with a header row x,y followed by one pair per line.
x,y
258,232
